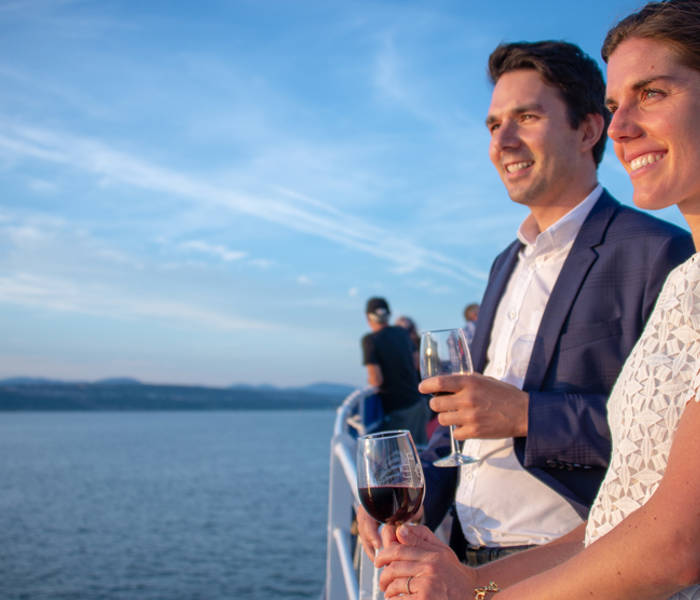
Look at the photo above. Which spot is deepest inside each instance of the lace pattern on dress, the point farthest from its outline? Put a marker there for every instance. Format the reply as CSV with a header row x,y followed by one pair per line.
x,y
659,378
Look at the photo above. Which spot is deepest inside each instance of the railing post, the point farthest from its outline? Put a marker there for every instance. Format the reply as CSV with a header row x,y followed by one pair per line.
x,y
340,504
341,578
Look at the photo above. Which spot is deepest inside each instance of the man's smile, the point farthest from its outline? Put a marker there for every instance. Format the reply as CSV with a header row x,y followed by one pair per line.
x,y
518,166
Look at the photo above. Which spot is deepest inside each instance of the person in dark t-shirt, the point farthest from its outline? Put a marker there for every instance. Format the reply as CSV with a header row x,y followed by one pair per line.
x,y
388,354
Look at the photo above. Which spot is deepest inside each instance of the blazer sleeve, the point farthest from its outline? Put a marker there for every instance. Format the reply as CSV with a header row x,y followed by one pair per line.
x,y
567,430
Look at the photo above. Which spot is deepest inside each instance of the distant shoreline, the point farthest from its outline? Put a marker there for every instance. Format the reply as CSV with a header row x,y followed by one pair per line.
x,y
118,396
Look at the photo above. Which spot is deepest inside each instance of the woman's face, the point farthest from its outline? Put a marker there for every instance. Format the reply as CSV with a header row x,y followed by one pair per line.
x,y
655,127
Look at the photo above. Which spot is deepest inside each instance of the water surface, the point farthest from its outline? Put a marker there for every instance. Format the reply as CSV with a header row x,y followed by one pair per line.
x,y
163,505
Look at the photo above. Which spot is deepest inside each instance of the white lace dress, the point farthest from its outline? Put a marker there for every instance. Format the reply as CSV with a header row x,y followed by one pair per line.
x,y
661,375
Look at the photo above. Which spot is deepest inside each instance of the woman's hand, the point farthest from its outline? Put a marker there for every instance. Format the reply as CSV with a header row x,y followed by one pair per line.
x,y
420,566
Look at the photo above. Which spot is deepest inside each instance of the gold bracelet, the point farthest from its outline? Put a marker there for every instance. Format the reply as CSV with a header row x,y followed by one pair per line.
x,y
480,592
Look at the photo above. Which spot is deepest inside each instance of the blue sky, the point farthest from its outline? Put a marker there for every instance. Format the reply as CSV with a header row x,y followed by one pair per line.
x,y
207,193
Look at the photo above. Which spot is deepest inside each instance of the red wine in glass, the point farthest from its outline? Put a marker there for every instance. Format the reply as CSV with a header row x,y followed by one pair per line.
x,y
391,503
390,481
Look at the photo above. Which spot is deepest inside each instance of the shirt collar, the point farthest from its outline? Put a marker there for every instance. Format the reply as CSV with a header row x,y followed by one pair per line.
x,y
561,233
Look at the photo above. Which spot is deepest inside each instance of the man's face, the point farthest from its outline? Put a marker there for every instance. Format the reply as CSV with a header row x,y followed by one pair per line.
x,y
533,146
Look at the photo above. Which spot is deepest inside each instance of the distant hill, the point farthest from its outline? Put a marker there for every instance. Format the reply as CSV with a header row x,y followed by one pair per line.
x,y
26,393
321,388
119,381
28,381
332,389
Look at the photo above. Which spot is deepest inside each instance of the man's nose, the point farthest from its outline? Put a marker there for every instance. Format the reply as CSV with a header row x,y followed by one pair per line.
x,y
506,135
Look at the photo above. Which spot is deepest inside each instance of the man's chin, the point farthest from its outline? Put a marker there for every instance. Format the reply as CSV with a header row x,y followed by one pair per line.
x,y
526,195
521,197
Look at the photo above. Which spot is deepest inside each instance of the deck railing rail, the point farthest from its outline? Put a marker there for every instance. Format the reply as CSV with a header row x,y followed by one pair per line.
x,y
347,577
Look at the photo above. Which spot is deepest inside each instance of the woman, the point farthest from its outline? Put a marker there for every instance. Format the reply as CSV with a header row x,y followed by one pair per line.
x,y
642,538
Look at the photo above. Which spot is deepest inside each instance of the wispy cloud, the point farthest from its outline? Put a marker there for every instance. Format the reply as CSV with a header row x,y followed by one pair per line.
x,y
216,250
261,263
304,280
56,240
64,17
42,186
31,91
298,213
24,235
403,82
108,301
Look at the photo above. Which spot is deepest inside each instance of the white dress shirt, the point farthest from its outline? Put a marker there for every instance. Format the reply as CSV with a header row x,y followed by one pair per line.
x,y
498,502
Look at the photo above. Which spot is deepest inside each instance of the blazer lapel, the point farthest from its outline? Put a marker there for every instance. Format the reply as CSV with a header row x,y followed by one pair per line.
x,y
502,270
579,261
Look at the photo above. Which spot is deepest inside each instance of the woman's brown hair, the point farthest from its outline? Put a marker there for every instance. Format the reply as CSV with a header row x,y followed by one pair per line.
x,y
673,22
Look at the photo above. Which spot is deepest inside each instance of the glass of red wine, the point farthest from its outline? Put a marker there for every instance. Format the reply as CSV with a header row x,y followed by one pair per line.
x,y
446,352
390,481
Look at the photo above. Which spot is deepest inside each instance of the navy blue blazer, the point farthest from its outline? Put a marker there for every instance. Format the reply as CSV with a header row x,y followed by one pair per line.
x,y
595,313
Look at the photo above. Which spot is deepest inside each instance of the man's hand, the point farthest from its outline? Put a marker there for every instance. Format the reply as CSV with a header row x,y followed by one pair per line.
x,y
478,406
434,570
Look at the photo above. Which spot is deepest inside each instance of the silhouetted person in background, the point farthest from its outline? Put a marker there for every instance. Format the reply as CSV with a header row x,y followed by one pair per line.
x,y
409,325
471,314
389,355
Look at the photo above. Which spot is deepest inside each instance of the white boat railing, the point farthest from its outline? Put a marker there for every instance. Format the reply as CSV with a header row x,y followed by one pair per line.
x,y
347,577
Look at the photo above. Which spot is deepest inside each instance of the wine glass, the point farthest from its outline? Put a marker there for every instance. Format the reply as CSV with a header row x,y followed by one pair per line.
x,y
446,352
390,482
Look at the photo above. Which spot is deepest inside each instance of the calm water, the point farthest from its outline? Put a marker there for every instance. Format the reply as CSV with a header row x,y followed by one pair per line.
x,y
163,505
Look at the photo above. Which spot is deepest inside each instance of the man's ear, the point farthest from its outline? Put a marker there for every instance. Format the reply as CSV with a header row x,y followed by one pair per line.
x,y
591,128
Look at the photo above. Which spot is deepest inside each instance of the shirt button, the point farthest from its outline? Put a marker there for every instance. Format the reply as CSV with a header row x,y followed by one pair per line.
x,y
512,314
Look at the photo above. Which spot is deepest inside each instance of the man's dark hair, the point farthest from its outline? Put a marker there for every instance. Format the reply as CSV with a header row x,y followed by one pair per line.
x,y
378,310
567,68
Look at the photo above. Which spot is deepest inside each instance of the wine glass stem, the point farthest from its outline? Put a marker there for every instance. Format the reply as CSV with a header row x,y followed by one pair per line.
x,y
453,441
376,590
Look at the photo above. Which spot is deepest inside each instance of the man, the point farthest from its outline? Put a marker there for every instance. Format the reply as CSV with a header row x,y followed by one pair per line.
x,y
390,358
563,307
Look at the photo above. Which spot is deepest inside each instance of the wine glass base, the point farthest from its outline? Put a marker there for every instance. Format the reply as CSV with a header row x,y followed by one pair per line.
x,y
455,460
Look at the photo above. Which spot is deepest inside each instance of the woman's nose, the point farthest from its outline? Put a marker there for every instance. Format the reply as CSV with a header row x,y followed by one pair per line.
x,y
623,125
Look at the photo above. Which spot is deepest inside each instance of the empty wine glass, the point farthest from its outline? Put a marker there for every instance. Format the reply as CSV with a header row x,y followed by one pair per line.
x,y
446,352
